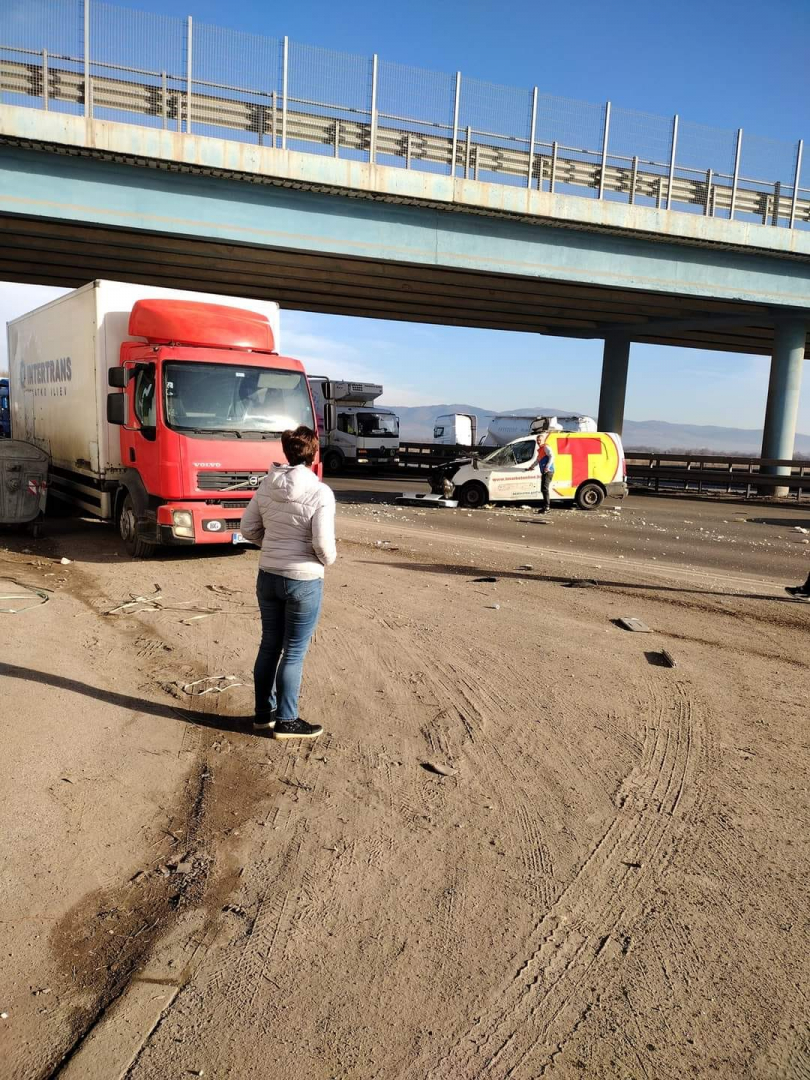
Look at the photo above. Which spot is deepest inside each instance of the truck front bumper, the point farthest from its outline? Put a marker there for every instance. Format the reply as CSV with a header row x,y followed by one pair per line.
x,y
208,524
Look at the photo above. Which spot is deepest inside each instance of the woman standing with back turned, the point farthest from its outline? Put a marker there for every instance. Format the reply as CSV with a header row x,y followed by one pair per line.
x,y
292,516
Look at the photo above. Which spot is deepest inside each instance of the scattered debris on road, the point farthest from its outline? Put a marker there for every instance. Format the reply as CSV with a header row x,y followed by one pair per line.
x,y
633,624
30,594
439,769
211,684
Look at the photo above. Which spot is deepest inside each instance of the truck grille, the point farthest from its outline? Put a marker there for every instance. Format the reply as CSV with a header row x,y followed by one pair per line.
x,y
223,481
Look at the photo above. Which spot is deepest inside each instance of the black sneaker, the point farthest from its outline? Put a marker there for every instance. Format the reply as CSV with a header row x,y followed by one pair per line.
x,y
296,729
801,592
263,722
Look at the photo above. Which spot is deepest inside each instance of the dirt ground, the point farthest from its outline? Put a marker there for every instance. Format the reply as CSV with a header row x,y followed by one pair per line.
x,y
524,846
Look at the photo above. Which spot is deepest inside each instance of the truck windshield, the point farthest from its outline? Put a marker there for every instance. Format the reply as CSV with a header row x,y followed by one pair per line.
x,y
227,398
380,425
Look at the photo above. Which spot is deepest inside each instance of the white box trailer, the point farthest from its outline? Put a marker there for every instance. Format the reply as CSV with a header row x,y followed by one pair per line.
x,y
59,355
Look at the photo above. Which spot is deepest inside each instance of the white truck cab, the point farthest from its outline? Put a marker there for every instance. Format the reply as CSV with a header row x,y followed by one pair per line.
x,y
352,431
589,467
455,429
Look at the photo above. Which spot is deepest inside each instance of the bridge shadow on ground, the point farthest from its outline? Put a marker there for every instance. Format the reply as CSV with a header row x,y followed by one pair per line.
x,y
571,582
214,721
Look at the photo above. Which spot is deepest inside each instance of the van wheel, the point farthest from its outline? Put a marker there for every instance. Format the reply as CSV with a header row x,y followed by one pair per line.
x,y
332,462
473,495
128,529
589,496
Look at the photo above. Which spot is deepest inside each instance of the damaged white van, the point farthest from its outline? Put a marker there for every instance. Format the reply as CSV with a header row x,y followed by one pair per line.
x,y
589,467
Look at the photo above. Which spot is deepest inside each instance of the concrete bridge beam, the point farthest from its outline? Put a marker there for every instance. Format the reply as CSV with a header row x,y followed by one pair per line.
x,y
779,432
615,359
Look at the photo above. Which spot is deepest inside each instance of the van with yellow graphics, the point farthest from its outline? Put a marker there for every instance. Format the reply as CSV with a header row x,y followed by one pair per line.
x,y
589,467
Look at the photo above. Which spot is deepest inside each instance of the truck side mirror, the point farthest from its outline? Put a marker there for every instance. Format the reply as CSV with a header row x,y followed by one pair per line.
x,y
117,409
329,418
118,377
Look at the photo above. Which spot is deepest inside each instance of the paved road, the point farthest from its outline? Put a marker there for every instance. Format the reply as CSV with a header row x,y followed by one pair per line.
x,y
758,541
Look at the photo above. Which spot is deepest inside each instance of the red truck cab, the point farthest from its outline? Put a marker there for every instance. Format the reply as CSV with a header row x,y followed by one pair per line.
x,y
205,401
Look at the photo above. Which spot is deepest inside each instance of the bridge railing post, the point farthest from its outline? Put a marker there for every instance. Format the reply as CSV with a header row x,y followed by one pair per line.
x,y
672,153
735,179
285,58
88,107
605,137
796,181
189,46
372,142
45,78
707,209
456,100
531,143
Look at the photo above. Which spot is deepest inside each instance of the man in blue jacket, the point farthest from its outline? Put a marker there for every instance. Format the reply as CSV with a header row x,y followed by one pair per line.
x,y
545,463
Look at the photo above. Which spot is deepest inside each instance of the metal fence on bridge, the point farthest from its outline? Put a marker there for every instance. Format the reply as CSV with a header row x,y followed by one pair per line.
x,y
91,58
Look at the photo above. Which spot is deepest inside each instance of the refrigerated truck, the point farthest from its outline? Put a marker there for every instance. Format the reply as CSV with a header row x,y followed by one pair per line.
x,y
353,431
160,409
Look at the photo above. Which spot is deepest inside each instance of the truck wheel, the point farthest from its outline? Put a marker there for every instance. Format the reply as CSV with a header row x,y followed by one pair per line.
x,y
589,496
473,495
332,462
127,527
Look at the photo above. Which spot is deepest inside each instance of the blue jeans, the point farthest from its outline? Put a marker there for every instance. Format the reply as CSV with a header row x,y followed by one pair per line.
x,y
289,611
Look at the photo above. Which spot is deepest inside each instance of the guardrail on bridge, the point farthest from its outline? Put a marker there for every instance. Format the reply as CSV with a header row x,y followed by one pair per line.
x,y
80,56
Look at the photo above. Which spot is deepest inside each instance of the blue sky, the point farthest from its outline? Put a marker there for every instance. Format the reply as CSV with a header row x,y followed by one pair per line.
x,y
726,63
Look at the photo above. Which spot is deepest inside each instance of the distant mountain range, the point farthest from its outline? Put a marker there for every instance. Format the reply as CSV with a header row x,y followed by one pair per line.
x,y
416,424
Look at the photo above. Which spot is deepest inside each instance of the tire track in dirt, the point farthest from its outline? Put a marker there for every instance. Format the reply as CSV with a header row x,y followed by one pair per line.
x,y
576,945
460,692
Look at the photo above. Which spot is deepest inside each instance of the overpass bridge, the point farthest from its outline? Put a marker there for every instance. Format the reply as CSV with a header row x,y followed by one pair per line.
x,y
150,149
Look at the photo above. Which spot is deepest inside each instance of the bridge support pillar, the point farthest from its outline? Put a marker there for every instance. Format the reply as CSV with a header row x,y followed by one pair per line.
x,y
779,433
615,359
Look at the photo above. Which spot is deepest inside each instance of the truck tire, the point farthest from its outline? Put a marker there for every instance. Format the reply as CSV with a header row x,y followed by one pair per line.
x,y
590,495
128,530
332,462
472,495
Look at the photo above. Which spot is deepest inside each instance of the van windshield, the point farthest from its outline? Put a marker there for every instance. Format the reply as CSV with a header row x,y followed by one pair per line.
x,y
230,399
516,453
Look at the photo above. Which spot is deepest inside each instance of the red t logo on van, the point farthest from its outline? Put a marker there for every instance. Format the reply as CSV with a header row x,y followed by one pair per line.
x,y
579,450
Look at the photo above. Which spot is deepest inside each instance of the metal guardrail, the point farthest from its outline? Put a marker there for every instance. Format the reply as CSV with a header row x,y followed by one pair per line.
x,y
661,472
701,472
376,122
550,171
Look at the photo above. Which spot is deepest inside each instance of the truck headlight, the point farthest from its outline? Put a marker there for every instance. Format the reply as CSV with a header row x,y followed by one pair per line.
x,y
448,487
183,523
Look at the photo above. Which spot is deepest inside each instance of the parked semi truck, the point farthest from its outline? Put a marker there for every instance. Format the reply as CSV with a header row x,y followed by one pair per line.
x,y
160,409
353,432
5,411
